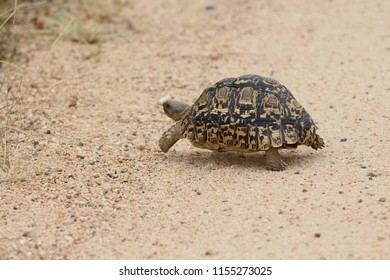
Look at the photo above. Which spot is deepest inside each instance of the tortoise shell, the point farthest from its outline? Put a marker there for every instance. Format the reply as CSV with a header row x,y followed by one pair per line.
x,y
248,114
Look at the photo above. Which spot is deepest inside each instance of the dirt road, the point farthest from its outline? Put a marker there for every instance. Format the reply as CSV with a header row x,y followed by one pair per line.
x,y
88,181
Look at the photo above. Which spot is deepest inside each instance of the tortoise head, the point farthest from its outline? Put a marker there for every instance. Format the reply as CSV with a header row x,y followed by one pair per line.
x,y
175,109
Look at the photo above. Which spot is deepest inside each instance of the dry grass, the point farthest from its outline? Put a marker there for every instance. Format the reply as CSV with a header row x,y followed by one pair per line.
x,y
83,21
7,38
10,90
7,90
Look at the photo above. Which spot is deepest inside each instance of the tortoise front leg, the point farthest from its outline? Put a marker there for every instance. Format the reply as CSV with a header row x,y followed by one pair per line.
x,y
170,137
273,160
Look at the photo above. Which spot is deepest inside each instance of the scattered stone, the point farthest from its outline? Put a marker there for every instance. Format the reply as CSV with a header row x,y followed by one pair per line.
x,y
372,174
80,156
208,253
304,190
48,131
197,192
360,200
35,143
112,176
73,102
317,235
131,26
343,140
35,155
382,199
26,234
210,8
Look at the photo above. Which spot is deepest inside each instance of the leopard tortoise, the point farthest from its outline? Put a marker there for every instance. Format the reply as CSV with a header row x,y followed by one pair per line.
x,y
245,114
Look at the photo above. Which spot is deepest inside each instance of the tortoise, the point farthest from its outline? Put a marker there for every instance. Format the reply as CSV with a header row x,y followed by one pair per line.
x,y
246,114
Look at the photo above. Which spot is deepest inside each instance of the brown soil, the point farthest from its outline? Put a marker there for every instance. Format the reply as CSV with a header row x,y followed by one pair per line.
x,y
88,180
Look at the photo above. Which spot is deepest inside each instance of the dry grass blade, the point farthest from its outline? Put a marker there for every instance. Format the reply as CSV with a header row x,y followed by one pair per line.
x,y
11,15
7,126
11,64
57,39
15,6
5,164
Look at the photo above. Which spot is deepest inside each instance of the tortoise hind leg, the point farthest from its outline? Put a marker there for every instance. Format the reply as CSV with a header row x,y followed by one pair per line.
x,y
273,160
170,137
318,142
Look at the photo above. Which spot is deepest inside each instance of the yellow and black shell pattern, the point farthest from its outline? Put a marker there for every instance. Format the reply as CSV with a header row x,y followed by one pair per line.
x,y
248,114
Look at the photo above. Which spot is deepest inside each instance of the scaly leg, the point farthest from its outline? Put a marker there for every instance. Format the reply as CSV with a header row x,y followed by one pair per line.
x,y
273,160
170,137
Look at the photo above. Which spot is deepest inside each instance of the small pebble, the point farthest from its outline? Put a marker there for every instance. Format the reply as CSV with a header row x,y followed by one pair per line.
x,y
80,156
210,7
382,199
141,147
317,235
48,131
343,140
112,176
35,155
372,174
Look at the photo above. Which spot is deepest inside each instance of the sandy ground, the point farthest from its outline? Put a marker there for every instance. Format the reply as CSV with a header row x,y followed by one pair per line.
x,y
88,181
